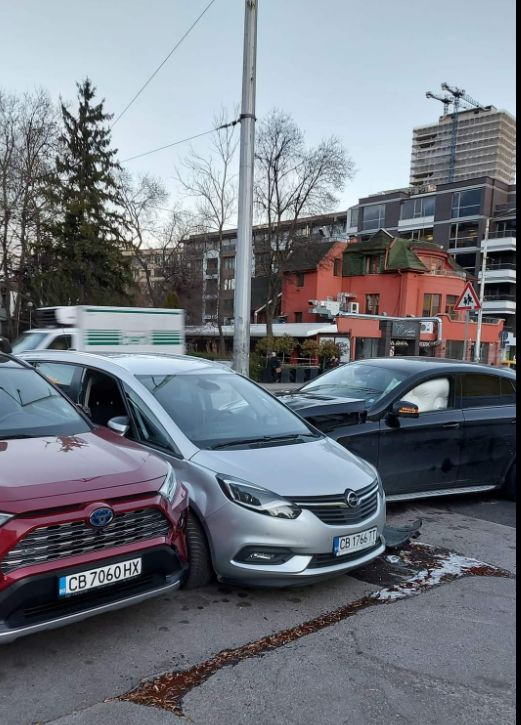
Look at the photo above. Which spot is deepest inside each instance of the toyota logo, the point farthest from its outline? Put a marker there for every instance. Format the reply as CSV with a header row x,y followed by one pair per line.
x,y
352,499
102,517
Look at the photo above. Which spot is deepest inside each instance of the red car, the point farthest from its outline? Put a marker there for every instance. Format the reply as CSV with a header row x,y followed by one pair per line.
x,y
88,521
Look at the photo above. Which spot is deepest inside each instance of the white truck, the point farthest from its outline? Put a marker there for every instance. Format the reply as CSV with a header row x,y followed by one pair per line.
x,y
106,329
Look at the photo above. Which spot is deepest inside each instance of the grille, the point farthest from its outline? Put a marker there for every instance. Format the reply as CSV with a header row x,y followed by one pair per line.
x,y
334,511
51,543
320,561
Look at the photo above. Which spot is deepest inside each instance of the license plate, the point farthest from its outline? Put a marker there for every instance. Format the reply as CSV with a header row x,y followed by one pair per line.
x,y
104,576
343,545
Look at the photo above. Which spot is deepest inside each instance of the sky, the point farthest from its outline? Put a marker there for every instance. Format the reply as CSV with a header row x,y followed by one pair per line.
x,y
357,69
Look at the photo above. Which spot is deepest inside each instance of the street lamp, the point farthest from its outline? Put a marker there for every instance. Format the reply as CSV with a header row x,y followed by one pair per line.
x,y
30,307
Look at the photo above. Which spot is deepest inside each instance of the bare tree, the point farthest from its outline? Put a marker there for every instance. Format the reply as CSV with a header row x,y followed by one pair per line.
x,y
28,141
143,200
292,181
210,181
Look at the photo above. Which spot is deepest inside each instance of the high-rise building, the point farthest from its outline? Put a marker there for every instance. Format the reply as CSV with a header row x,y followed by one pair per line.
x,y
485,146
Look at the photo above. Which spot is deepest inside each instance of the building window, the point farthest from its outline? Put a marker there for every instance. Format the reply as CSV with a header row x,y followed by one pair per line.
x,y
229,264
298,316
374,217
418,208
211,287
421,235
464,234
229,284
372,304
212,265
352,218
374,264
431,305
466,203
301,279
450,304
337,268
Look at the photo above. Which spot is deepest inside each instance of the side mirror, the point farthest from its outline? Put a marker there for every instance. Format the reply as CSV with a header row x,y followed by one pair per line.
x,y
403,409
5,345
120,425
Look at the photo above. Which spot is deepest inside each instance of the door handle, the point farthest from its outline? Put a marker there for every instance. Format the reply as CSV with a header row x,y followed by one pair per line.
x,y
451,425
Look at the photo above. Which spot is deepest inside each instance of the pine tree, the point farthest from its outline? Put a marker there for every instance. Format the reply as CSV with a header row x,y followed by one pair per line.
x,y
86,239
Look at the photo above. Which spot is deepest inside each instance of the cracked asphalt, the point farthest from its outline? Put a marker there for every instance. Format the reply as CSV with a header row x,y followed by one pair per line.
x,y
446,655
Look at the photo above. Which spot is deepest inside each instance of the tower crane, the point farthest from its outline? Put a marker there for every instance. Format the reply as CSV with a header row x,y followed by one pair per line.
x,y
455,98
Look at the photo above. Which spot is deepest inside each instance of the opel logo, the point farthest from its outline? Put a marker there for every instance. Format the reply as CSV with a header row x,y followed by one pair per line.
x,y
102,517
352,499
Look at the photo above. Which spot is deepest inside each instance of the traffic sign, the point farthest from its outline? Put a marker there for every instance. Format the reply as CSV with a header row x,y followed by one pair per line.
x,y
469,300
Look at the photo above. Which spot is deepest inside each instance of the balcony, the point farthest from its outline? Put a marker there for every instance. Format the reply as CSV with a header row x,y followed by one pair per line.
x,y
500,272
501,242
500,304
416,223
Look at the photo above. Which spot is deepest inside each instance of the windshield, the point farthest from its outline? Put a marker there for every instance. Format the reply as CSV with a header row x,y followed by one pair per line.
x,y
28,341
360,380
224,410
31,408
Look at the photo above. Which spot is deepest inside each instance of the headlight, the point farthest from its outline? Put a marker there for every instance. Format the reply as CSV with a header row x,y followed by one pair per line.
x,y
258,499
4,518
169,487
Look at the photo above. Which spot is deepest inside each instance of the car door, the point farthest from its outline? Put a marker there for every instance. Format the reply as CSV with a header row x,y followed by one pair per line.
x,y
489,427
423,455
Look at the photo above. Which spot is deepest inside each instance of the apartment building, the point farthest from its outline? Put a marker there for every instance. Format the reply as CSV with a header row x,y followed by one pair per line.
x,y
456,217
485,146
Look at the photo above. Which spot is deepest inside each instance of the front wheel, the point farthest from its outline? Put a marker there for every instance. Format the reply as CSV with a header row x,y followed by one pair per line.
x,y
510,488
201,570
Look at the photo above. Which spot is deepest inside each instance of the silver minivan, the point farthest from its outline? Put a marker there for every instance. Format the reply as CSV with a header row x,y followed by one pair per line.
x,y
274,502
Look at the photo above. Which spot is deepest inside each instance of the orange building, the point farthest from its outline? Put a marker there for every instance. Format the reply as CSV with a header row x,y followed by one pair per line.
x,y
386,277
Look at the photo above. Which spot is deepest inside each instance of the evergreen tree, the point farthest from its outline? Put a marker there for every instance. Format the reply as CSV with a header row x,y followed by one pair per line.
x,y
85,246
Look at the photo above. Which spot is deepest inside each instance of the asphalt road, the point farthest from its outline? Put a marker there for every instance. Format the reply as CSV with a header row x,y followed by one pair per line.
x,y
441,649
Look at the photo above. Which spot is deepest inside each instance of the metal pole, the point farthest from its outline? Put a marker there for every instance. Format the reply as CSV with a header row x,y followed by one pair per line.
x,y
477,349
466,343
242,307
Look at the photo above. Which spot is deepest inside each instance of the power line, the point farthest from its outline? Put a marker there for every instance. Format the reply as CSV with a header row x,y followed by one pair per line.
x,y
182,141
129,104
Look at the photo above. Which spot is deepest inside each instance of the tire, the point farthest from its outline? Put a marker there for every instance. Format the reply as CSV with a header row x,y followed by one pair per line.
x,y
201,570
510,488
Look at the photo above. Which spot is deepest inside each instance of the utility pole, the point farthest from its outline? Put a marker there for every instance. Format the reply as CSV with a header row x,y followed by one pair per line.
x,y
477,349
242,307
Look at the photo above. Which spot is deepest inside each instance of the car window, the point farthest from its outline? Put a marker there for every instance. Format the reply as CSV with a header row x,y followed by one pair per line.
x,y
215,410
60,374
431,395
62,342
101,396
482,391
361,380
147,429
30,407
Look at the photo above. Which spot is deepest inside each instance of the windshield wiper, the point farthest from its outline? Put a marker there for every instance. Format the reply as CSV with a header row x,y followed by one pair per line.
x,y
263,440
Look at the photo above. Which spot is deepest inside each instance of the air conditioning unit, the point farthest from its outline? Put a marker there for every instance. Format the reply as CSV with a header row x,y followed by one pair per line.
x,y
353,308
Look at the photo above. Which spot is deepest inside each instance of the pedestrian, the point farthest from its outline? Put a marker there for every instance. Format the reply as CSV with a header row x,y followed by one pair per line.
x,y
276,368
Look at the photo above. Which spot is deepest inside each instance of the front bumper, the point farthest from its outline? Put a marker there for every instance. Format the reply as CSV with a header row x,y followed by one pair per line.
x,y
32,604
309,541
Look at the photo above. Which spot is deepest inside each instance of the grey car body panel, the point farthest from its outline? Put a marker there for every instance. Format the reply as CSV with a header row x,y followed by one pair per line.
x,y
316,467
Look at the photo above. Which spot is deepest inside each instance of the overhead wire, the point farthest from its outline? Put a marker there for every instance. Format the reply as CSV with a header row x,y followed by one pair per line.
x,y
182,141
177,45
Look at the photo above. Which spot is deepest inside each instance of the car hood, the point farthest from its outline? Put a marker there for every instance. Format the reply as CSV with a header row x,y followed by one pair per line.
x,y
63,470
313,405
317,468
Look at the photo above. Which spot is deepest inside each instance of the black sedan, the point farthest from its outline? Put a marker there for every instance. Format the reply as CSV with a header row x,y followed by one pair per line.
x,y
431,426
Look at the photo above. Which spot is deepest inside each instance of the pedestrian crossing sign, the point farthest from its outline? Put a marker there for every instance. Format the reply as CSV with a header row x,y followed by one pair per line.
x,y
469,300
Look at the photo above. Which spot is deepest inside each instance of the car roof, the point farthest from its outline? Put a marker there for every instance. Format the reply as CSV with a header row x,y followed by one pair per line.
x,y
413,365
134,363
8,361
